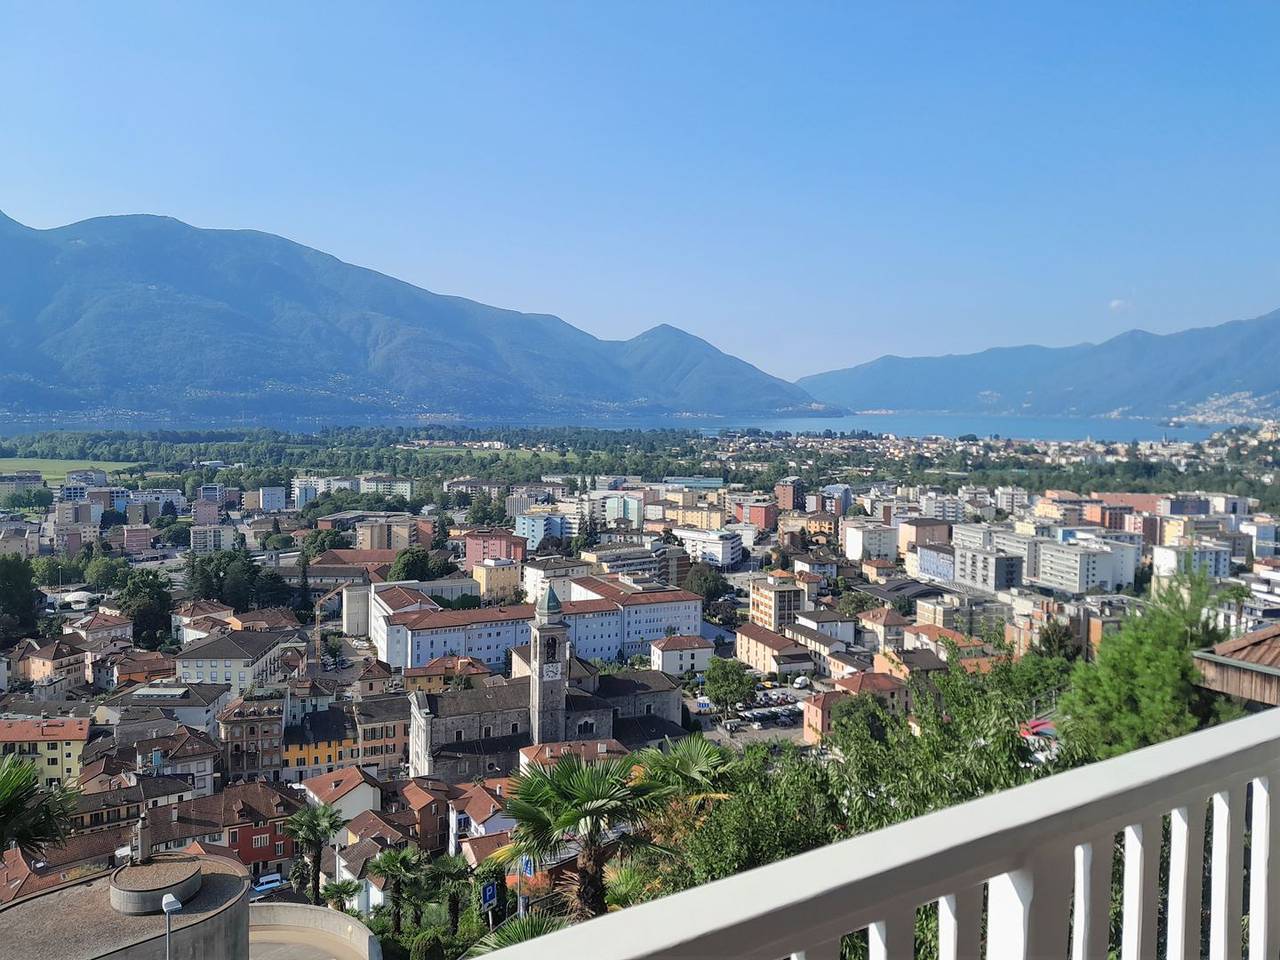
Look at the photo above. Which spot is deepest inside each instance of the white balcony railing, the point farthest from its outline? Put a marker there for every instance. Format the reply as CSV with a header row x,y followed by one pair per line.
x,y
1043,853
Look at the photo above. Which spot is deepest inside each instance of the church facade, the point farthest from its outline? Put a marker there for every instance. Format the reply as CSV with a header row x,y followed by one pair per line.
x,y
551,696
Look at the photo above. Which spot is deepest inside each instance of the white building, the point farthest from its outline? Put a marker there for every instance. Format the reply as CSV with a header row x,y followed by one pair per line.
x,y
1077,568
1261,531
716,548
870,541
211,538
679,655
1210,557
555,572
1011,499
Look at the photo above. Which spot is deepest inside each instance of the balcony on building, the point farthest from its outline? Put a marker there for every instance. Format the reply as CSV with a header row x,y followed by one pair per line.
x,y
1021,874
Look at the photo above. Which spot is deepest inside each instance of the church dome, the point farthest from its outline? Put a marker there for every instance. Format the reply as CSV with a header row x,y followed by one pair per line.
x,y
548,605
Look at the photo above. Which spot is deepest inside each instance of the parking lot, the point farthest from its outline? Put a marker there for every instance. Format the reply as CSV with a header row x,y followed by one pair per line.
x,y
777,713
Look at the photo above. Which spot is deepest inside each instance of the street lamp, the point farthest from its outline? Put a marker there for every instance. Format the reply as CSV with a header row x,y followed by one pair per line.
x,y
171,905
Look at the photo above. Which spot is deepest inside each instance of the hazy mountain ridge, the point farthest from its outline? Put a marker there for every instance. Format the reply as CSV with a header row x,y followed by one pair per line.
x,y
150,314
1135,373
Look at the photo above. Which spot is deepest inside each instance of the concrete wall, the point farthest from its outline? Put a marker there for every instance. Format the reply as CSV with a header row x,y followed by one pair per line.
x,y
316,920
221,936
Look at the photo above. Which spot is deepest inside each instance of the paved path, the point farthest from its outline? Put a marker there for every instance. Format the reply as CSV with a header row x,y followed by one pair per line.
x,y
298,944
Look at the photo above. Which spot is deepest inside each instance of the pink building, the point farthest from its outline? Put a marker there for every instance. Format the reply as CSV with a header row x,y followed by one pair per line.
x,y
493,544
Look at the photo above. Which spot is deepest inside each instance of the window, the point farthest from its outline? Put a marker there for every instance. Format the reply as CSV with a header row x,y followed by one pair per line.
x,y
457,736
515,728
488,732
234,836
279,848
259,842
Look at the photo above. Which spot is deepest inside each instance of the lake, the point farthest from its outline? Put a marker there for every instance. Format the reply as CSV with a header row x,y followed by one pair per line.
x,y
1021,428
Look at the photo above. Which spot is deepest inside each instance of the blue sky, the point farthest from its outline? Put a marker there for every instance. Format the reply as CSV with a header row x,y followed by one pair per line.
x,y
807,185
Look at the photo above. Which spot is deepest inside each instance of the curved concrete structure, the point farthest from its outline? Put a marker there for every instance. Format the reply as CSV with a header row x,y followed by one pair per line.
x,y
138,888
297,931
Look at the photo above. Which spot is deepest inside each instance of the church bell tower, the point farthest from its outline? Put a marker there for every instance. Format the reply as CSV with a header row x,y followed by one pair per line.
x,y
548,669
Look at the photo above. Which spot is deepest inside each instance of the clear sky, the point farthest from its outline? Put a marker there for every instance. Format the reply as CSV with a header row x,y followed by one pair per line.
x,y
807,185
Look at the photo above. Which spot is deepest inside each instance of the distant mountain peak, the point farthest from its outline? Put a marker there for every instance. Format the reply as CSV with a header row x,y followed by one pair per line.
x,y
142,312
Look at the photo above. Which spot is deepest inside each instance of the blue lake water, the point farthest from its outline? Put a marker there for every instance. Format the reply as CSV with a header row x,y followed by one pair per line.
x,y
1020,428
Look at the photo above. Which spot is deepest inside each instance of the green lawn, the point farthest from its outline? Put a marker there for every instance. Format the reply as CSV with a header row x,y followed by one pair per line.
x,y
55,471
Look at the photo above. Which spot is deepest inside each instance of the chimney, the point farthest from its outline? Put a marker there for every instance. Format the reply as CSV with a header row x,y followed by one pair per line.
x,y
140,845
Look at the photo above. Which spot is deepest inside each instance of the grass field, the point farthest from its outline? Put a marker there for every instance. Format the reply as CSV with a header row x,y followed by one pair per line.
x,y
55,471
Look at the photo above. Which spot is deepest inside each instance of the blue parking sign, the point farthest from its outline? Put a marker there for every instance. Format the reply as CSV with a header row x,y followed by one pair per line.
x,y
526,866
489,896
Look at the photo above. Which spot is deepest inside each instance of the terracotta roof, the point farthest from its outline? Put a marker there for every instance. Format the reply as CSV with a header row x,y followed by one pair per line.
x,y
99,621
328,787
774,641
439,619
887,616
482,800
586,749
346,557
448,667
269,618
481,848
683,642
823,701
238,804
936,634
375,670
57,650
374,824
397,598
202,608
873,683
53,728
611,590
1261,647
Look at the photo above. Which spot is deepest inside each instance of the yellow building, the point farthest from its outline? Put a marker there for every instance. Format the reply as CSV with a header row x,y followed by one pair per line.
x,y
499,579
443,672
52,744
326,740
701,516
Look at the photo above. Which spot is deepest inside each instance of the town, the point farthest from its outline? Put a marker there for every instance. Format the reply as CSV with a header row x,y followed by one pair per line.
x,y
392,695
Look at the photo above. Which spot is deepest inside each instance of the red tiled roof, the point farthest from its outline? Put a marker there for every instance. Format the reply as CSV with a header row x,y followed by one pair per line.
x,y
683,642
774,641
887,616
481,848
397,598
328,787
873,683
51,728
448,667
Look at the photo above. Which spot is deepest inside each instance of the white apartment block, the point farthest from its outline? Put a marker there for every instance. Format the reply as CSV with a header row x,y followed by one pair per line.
x,y
212,538
1078,568
1210,557
942,507
1261,531
717,548
271,499
869,541
1011,499
160,497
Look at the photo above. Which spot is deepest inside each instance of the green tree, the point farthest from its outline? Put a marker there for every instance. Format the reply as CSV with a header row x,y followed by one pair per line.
x,y
1140,690
317,542
727,682
854,602
270,590
574,802
146,600
106,573
17,597
419,563
32,817
1055,639
450,876
515,931
337,893
278,541
399,867
312,829
706,582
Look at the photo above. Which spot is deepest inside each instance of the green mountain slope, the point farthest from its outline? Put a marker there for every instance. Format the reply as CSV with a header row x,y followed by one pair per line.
x,y
151,315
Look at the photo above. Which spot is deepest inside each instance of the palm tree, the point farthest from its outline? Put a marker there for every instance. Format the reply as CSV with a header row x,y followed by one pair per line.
x,y
313,828
626,884
517,930
31,816
451,877
696,771
337,893
570,805
400,868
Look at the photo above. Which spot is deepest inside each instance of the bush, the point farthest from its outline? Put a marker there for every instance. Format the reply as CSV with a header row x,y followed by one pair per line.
x,y
428,945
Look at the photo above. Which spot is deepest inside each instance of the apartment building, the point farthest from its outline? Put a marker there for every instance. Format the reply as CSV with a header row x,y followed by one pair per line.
x,y
987,570
789,493
485,543
1210,557
717,548
211,538
869,541
52,744
237,658
776,601
1077,568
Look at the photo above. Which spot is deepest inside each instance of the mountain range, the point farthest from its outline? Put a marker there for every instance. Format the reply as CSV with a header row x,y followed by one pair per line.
x,y
134,317
145,315
1230,368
